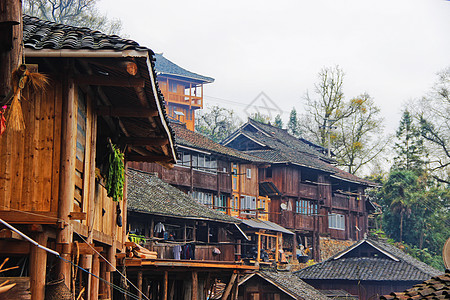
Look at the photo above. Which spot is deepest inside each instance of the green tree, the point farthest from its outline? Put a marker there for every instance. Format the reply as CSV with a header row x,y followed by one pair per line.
x,y
81,13
259,117
216,122
409,146
293,126
398,194
278,122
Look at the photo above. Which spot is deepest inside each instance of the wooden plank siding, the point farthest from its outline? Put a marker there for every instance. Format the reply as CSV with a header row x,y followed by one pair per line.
x,y
30,160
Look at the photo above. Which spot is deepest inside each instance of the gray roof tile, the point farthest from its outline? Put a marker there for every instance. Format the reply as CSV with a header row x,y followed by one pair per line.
x,y
149,194
381,268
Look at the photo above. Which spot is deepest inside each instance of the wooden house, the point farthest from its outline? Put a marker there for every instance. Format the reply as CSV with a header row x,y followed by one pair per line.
x,y
266,284
182,90
226,180
216,176
195,246
314,197
102,91
368,269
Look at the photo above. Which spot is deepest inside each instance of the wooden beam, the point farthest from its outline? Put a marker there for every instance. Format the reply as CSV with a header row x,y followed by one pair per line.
x,y
139,283
166,285
38,265
102,80
75,215
18,217
122,111
144,141
9,234
148,158
194,285
227,291
93,293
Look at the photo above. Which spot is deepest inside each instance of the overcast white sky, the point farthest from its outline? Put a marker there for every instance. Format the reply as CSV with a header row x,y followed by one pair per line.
x,y
390,49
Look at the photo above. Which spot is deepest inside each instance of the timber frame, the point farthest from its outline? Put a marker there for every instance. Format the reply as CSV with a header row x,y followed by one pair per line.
x,y
51,182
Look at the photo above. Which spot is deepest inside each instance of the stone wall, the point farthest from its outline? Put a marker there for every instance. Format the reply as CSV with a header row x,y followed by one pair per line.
x,y
330,247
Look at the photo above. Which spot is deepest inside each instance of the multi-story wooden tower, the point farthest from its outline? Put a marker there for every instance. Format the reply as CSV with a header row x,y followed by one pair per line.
x,y
182,90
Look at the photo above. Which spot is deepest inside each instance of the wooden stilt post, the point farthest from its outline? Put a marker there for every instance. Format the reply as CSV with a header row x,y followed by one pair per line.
x,y
67,177
258,258
227,291
38,264
194,285
166,285
234,292
93,293
139,284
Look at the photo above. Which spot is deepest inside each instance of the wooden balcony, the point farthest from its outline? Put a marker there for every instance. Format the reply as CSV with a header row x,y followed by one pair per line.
x,y
182,98
202,252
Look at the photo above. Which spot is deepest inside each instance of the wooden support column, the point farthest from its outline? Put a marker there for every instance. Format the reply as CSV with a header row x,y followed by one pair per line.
x,y
277,247
93,292
166,285
104,291
10,43
227,291
194,285
38,264
258,258
67,175
235,290
139,284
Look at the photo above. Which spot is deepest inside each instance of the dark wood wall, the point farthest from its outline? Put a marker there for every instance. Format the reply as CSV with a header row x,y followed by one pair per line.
x,y
365,290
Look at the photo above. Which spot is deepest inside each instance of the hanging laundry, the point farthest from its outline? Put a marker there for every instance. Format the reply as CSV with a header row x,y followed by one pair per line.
x,y
177,252
159,229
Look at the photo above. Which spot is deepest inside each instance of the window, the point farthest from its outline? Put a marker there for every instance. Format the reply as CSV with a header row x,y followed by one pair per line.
x,y
305,207
234,203
248,205
336,221
249,173
269,172
203,198
220,203
200,162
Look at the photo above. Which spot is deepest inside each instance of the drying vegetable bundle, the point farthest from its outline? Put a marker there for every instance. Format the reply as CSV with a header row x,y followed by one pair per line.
x,y
115,175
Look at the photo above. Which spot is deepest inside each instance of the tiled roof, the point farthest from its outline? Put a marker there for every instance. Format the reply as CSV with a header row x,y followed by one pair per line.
x,y
188,138
45,35
291,283
266,225
395,266
39,34
149,194
166,67
282,147
437,287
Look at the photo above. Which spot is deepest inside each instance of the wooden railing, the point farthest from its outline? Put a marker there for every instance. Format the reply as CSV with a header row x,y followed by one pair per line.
x,y
202,252
183,99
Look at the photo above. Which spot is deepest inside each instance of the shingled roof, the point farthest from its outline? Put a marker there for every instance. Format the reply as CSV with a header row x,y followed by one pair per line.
x,y
387,263
290,284
166,67
52,40
149,194
276,145
437,287
188,138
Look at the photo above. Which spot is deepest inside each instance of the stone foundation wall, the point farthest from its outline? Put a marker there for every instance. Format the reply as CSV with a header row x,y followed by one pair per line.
x,y
330,247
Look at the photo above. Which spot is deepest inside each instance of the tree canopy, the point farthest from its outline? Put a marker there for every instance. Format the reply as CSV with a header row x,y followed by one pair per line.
x,y
216,122
81,13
